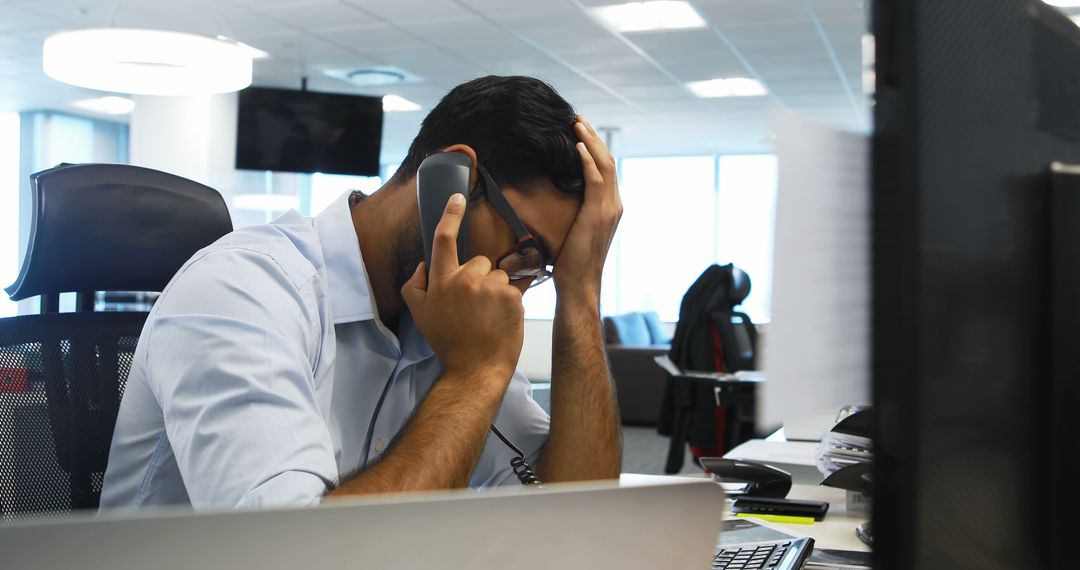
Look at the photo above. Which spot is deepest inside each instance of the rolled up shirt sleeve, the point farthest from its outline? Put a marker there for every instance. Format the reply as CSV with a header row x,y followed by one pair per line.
x,y
233,374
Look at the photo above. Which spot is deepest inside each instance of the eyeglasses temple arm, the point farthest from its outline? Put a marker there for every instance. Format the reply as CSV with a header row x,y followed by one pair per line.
x,y
498,201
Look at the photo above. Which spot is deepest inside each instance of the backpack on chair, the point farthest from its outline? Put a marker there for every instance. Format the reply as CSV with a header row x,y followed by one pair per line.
x,y
710,336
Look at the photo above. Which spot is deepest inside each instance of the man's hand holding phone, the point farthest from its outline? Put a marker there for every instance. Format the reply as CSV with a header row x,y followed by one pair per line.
x,y
469,313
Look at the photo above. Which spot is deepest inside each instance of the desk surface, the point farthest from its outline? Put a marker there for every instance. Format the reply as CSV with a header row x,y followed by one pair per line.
x,y
837,531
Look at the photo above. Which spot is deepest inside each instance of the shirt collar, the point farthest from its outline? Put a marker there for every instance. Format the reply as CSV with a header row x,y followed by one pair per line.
x,y
346,277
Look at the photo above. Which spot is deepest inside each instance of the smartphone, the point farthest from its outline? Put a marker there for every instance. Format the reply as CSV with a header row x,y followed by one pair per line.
x,y
440,176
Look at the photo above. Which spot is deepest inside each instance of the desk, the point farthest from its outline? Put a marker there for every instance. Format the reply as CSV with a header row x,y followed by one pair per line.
x,y
837,531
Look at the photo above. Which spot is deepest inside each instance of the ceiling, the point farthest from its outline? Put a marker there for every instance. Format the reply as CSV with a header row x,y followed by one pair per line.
x,y
807,53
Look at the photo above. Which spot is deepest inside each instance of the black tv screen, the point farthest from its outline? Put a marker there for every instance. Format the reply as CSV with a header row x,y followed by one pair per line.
x,y
304,131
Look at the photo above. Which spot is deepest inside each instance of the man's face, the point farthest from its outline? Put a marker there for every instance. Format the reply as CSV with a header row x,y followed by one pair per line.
x,y
546,213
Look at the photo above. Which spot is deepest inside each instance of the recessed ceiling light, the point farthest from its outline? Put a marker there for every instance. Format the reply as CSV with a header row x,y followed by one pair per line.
x,y
396,103
266,202
110,105
146,62
652,15
729,87
1064,3
379,76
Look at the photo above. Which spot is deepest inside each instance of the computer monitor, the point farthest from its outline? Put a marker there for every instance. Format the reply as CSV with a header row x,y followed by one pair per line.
x,y
975,99
305,131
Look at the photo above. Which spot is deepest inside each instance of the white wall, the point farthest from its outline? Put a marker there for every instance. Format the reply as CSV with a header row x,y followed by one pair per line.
x,y
193,137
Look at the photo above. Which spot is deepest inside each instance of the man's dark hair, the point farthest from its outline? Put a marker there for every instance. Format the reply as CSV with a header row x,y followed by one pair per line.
x,y
520,128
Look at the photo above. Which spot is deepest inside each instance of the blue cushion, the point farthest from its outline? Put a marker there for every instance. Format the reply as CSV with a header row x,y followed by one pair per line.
x,y
657,331
632,329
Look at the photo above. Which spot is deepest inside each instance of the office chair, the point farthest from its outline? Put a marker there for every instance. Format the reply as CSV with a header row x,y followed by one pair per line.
x,y
95,227
711,336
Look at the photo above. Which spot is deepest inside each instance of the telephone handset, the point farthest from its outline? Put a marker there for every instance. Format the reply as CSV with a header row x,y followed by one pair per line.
x,y
440,176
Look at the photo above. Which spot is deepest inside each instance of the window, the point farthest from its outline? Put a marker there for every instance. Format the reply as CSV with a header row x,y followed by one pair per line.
x,y
683,214
325,188
746,204
666,237
9,208
50,139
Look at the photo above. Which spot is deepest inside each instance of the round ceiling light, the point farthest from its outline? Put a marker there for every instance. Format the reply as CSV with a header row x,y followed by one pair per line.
x,y
146,62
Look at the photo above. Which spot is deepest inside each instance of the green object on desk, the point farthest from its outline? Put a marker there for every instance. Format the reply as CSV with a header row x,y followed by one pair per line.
x,y
786,519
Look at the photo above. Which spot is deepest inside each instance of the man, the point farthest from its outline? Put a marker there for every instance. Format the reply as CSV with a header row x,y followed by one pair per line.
x,y
320,357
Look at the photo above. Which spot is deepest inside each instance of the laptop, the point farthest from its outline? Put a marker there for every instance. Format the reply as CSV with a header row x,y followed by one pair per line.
x,y
597,525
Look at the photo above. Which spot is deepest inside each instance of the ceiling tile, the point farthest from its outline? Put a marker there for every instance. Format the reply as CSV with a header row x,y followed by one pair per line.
x,y
499,9
14,18
450,41
832,10
248,26
311,15
728,14
411,12
460,32
372,40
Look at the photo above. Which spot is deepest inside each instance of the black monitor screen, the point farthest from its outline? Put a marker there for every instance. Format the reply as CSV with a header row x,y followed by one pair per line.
x,y
975,349
303,131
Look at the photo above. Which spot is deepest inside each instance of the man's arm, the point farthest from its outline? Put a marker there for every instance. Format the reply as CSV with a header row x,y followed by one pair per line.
x,y
233,377
474,320
585,440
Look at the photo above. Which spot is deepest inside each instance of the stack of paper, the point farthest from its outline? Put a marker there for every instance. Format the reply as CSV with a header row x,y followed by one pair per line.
x,y
839,450
847,443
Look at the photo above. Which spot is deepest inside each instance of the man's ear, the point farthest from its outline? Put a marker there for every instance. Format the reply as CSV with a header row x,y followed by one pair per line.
x,y
468,151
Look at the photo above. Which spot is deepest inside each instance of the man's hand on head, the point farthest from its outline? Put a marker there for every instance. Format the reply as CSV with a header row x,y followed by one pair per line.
x,y
581,261
470,314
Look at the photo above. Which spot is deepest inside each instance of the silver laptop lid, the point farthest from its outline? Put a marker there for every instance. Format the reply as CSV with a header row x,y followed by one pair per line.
x,y
560,526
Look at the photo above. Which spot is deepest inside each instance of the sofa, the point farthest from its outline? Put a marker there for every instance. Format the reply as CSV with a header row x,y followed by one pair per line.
x,y
632,341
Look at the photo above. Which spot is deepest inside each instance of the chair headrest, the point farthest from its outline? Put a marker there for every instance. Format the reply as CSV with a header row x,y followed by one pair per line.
x,y
740,287
718,288
114,227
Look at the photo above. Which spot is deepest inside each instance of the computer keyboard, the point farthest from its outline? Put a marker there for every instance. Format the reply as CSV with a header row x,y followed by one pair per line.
x,y
773,555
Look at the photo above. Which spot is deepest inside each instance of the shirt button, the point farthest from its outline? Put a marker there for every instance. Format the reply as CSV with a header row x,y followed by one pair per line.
x,y
378,445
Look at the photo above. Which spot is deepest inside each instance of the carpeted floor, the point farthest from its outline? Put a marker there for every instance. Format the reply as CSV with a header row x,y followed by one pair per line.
x,y
644,451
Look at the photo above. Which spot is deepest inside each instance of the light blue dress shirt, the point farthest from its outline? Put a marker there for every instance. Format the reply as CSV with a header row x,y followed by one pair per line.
x,y
264,376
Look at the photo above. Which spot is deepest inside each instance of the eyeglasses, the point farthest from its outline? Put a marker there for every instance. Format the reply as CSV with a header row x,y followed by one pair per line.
x,y
527,259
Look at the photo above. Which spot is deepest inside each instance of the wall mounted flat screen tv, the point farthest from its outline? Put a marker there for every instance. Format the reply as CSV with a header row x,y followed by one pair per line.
x,y
303,131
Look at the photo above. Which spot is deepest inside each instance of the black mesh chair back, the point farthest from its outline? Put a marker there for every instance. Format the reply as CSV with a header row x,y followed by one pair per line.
x,y
61,378
95,227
